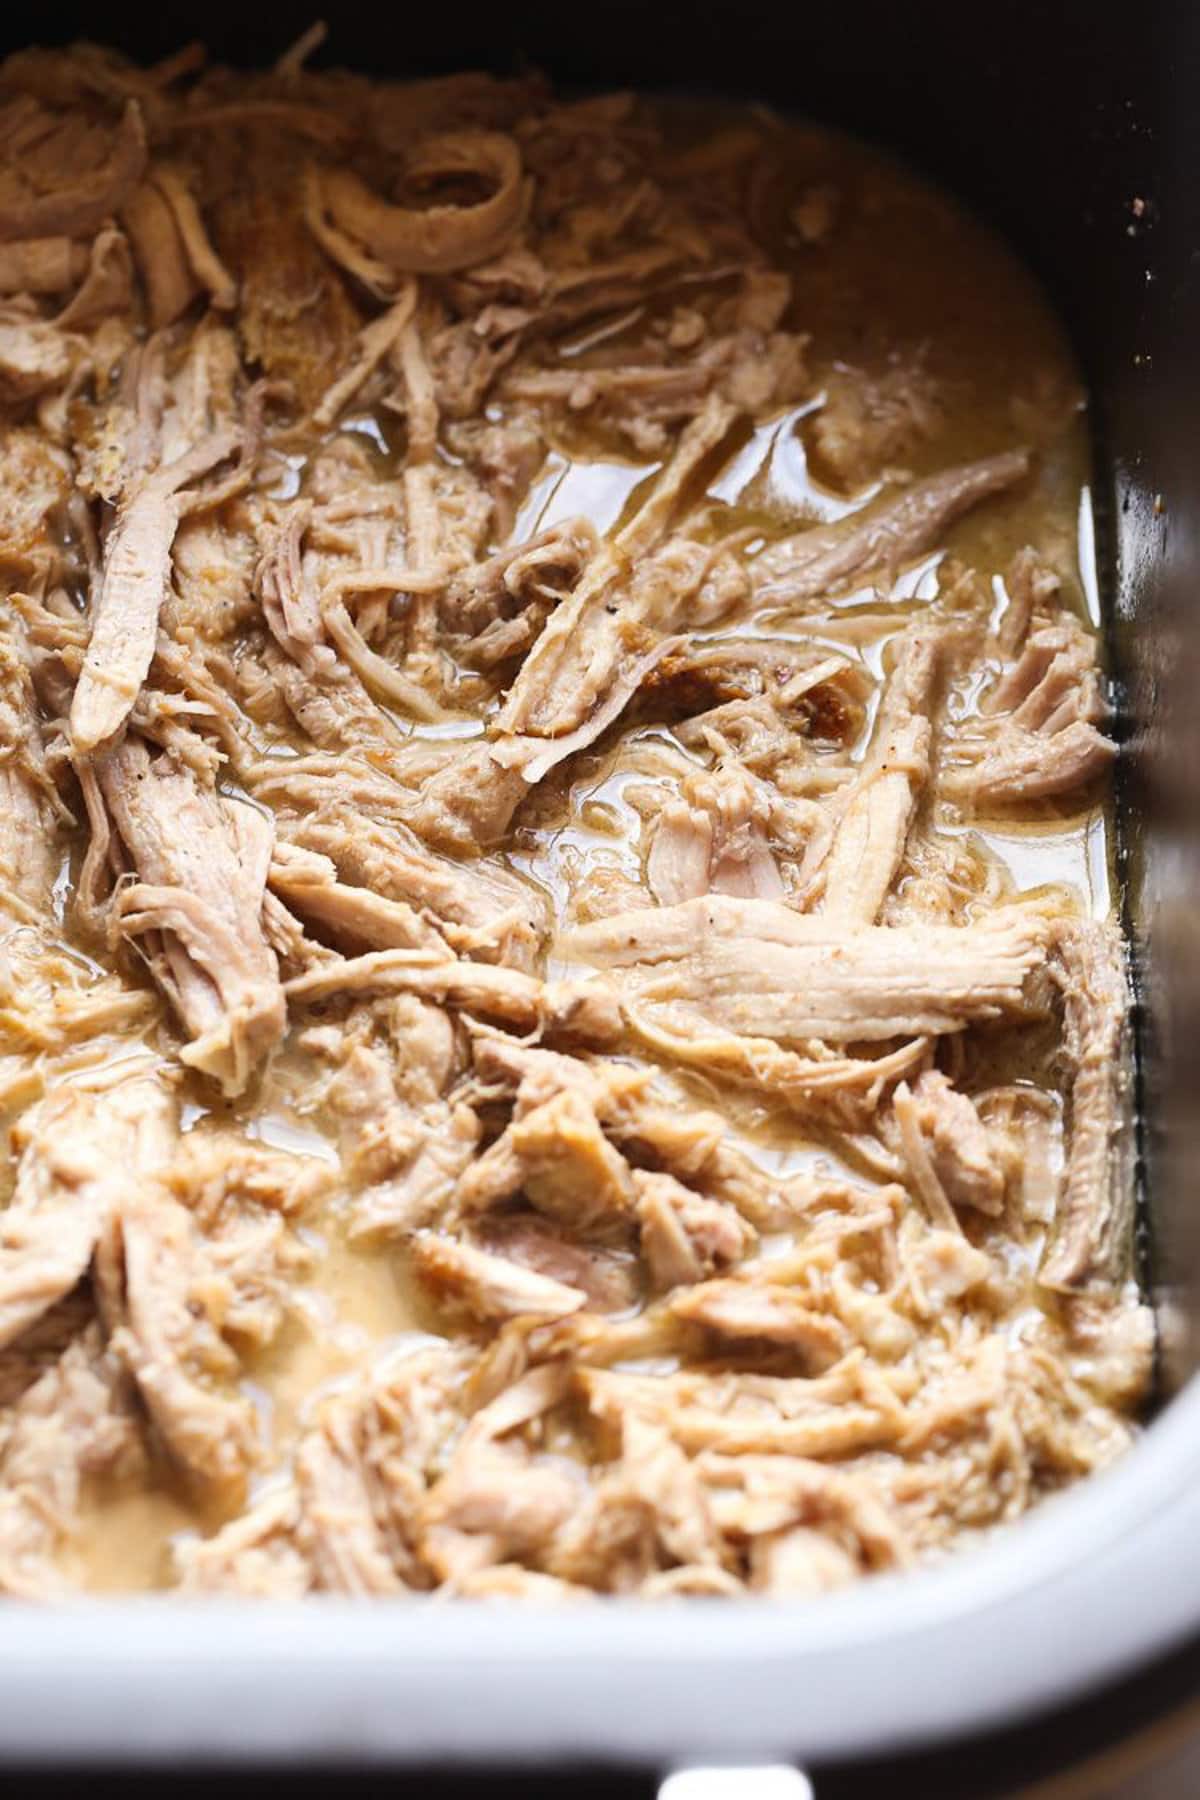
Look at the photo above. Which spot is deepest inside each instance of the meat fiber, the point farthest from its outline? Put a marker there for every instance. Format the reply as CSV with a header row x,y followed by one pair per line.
x,y
199,864
583,1011
80,1151
31,814
404,1142
598,648
489,1286
126,604
883,539
714,839
192,1269
33,203
871,421
355,917
35,491
72,1424
35,357
764,1310
484,912
868,842
558,1156
970,1161
754,967
685,1235
1090,1246
1038,735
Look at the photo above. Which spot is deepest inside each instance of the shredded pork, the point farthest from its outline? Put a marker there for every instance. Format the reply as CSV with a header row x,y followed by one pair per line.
x,y
541,1050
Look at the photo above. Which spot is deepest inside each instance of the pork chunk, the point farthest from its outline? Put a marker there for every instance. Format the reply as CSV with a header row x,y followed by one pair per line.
x,y
755,967
882,539
80,1151
1090,1244
200,865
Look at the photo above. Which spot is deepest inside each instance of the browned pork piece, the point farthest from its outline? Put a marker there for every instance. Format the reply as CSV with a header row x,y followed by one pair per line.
x,y
35,500
55,178
755,968
440,238
205,268
200,865
35,357
264,242
40,265
882,539
107,285
160,255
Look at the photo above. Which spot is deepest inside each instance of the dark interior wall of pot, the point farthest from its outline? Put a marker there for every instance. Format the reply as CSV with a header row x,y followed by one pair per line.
x,y
1075,128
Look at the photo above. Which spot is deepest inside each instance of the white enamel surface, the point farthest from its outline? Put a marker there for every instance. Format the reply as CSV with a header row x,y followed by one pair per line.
x,y
1081,1593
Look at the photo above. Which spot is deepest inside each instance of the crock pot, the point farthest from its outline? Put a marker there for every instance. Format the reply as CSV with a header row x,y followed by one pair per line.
x,y
1074,128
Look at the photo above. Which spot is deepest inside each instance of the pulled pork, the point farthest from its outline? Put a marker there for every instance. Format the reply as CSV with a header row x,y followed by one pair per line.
x,y
534,1061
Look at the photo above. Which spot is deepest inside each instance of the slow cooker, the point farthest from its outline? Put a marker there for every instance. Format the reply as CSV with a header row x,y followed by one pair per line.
x,y
1074,129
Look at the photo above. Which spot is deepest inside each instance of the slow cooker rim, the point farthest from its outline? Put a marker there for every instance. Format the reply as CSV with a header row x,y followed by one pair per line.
x,y
1078,1594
